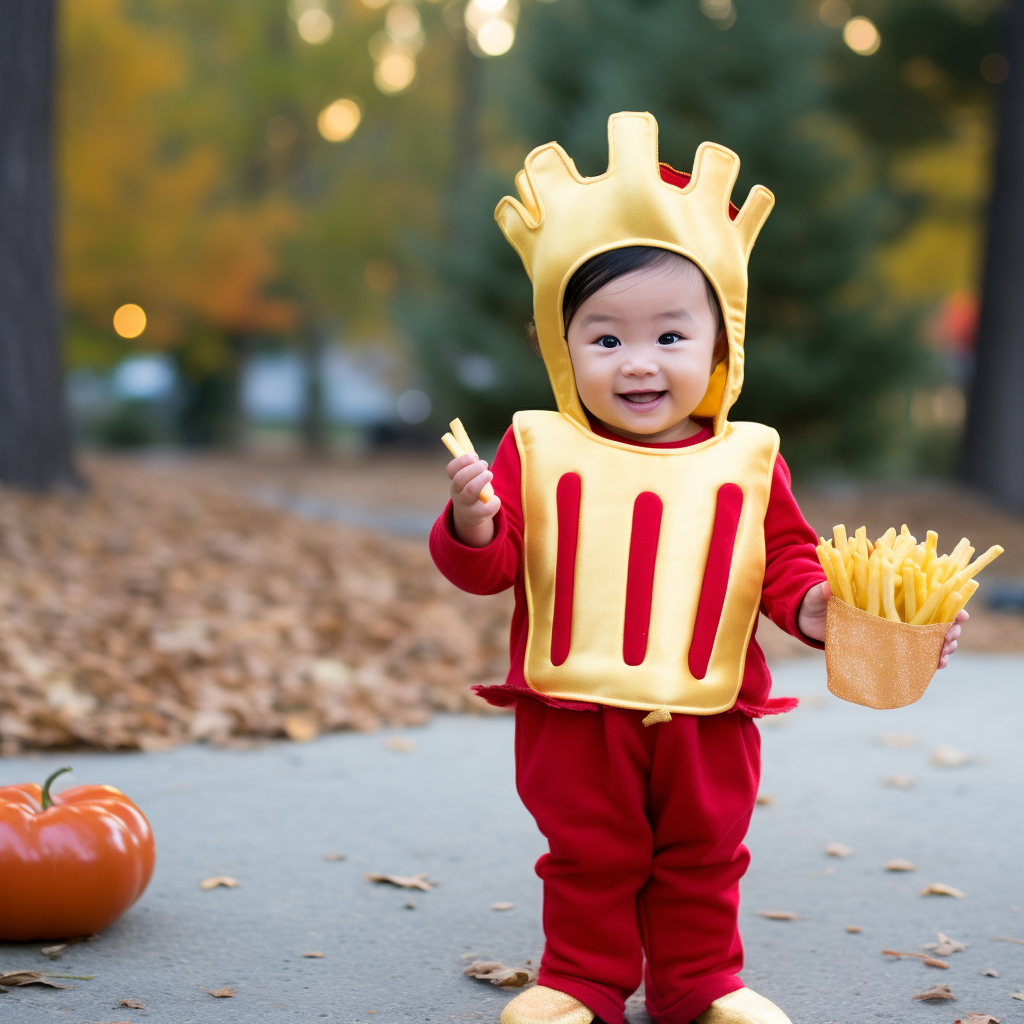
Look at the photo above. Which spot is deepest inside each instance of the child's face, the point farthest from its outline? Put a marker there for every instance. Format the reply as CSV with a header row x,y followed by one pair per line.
x,y
641,350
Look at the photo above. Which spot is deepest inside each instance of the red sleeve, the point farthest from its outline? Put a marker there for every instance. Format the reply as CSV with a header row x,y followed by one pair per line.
x,y
791,563
493,568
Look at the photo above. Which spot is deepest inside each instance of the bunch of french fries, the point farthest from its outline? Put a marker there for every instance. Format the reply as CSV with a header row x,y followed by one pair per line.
x,y
900,579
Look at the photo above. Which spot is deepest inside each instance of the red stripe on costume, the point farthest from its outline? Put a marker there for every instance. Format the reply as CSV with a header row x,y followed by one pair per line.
x,y
643,552
567,502
716,578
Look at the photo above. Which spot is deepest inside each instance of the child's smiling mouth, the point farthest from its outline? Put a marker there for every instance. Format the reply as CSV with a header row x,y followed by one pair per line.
x,y
641,400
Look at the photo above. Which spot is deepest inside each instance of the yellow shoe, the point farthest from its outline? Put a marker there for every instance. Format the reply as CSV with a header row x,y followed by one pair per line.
x,y
543,1005
742,1007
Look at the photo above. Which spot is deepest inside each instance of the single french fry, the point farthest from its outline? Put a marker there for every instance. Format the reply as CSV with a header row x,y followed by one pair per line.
x,y
826,565
909,591
874,605
888,592
931,606
860,573
861,533
931,541
453,446
887,539
953,565
461,436
972,570
950,601
839,535
920,588
845,590
965,595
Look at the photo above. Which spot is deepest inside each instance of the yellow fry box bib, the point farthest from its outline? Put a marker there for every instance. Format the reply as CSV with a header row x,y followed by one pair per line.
x,y
624,606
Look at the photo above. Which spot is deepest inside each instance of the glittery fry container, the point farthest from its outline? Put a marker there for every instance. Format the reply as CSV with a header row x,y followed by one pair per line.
x,y
873,661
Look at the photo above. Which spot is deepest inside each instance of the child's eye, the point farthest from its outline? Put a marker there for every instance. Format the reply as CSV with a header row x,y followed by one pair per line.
x,y
669,338
607,341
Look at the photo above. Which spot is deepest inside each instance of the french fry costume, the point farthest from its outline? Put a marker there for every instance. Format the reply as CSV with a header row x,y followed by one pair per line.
x,y
639,572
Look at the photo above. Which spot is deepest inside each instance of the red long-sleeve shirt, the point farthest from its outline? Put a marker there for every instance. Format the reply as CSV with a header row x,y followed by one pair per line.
x,y
791,569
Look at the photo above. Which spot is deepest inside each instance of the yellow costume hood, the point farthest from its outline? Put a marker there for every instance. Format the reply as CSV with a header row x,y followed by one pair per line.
x,y
565,219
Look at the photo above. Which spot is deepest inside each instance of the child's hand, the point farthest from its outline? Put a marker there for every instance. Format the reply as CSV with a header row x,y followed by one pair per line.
x,y
951,637
811,618
473,518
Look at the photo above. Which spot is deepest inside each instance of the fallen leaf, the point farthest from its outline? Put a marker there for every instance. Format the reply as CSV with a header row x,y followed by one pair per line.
x,y
404,881
334,857
225,880
1006,938
941,889
764,800
978,1018
936,992
854,929
400,744
838,850
301,728
990,972
1017,995
898,740
949,757
133,1004
15,978
54,952
498,974
410,906
945,946
900,865
900,781
780,915
220,993
314,956
503,906
928,961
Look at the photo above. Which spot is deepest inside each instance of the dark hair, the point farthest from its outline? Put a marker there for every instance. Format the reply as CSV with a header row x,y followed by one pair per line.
x,y
606,267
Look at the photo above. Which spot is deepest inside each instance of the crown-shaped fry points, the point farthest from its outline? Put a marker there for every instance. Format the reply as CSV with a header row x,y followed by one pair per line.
x,y
563,219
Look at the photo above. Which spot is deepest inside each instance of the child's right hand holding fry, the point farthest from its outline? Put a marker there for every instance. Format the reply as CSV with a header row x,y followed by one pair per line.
x,y
473,519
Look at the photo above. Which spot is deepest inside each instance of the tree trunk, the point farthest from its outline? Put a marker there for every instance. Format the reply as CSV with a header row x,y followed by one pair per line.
x,y
35,442
993,453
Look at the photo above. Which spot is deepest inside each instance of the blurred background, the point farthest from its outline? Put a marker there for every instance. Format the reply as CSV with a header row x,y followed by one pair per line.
x,y
268,264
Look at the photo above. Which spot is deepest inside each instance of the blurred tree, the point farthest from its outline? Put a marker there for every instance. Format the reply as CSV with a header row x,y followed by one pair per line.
x,y
34,438
811,119
993,455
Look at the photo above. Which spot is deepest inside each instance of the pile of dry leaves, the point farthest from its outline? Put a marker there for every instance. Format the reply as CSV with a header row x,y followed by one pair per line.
x,y
162,606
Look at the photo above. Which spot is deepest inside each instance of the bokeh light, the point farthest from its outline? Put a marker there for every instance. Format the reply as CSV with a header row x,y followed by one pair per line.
x,y
413,406
834,13
315,26
403,23
375,4
861,36
492,25
394,72
129,320
717,9
995,68
338,121
495,37
381,275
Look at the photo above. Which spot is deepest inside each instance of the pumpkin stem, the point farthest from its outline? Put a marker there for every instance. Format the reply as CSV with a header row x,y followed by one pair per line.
x,y
45,800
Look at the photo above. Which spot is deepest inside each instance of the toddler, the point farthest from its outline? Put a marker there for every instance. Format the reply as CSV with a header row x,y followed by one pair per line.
x,y
642,533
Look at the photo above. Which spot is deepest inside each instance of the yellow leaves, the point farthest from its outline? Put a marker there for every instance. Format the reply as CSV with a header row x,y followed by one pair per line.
x,y
217,881
900,865
498,974
403,881
219,993
941,889
838,850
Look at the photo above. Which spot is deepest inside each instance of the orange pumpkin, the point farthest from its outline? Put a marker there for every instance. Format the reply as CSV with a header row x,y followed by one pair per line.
x,y
71,864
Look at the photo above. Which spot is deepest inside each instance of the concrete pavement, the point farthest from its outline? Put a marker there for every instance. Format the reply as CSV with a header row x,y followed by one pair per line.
x,y
448,808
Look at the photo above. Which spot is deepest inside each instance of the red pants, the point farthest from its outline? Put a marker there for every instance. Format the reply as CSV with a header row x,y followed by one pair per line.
x,y
645,830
